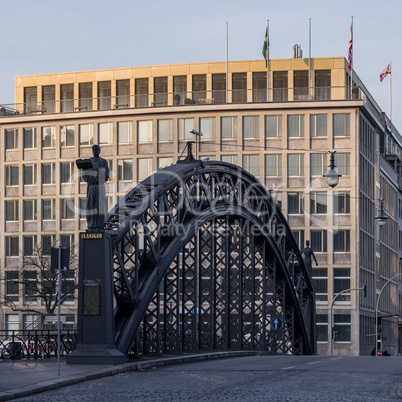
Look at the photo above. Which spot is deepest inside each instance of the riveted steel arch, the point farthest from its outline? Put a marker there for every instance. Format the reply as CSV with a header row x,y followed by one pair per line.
x,y
204,260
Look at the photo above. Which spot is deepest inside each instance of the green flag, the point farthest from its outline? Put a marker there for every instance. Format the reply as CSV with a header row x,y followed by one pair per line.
x,y
265,47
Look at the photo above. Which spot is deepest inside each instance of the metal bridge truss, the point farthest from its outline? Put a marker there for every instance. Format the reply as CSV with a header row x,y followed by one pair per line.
x,y
204,260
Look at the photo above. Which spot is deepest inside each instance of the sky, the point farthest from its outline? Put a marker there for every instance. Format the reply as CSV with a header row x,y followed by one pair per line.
x,y
47,36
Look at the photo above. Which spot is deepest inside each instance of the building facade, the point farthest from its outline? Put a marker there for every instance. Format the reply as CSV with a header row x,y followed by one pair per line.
x,y
142,117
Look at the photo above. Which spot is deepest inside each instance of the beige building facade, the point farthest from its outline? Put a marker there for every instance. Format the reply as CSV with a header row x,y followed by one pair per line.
x,y
142,117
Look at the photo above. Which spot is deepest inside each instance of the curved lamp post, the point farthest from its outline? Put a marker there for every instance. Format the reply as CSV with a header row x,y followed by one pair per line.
x,y
381,218
332,176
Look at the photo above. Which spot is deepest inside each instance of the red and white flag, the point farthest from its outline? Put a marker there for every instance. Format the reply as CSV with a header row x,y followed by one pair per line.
x,y
386,71
350,53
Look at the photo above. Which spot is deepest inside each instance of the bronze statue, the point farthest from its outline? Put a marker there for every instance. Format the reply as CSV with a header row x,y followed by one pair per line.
x,y
96,174
308,253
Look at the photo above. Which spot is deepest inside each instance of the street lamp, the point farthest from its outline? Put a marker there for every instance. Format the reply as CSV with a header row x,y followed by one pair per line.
x,y
381,218
198,134
332,176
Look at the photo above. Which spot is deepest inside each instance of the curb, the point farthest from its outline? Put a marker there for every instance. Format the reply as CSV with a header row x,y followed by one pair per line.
x,y
113,370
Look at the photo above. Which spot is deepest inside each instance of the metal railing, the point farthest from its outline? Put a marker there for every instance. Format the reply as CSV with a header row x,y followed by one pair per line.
x,y
35,344
165,99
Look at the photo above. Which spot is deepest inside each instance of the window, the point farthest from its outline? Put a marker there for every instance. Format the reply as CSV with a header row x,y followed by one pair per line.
x,y
85,96
252,164
30,209
12,246
318,125
295,126
160,91
11,136
229,159
144,131
322,84
341,125
199,87
29,245
30,289
322,327
67,208
29,138
141,92
342,163
273,126
300,80
295,203
185,126
12,323
219,88
30,99
125,169
48,173
30,175
277,197
67,240
109,203
11,211
318,164
341,283
104,95
273,165
260,87
342,241
123,93
229,127
12,175
68,285
30,320
165,130
320,283
342,327
341,203
48,137
48,97
318,203
319,241
124,132
48,209
144,168
105,133
12,286
82,207
48,241
250,126
164,162
67,97
179,89
67,172
67,136
86,134
239,87
280,85
299,237
207,127
295,165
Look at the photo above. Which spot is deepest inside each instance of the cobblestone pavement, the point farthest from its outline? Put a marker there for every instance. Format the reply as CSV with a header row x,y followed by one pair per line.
x,y
261,378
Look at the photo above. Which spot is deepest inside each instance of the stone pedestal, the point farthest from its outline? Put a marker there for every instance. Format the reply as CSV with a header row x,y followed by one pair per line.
x,y
95,303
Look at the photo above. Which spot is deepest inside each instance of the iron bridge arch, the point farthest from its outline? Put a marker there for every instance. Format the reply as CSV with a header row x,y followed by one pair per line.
x,y
204,260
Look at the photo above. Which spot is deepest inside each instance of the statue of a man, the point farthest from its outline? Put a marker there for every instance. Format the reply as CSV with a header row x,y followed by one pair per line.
x,y
308,253
96,177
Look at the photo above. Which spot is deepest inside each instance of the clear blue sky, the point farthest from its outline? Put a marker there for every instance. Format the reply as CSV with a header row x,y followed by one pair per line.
x,y
43,36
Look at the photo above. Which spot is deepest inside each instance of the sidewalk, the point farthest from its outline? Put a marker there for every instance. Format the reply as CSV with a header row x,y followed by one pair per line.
x,y
22,378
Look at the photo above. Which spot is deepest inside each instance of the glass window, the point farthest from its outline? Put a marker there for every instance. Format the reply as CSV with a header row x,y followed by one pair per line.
x,y
67,97
207,127
125,169
260,87
199,87
141,92
342,327
179,89
68,285
48,241
123,93
29,175
104,95
229,159
342,241
318,164
29,321
29,245
12,246
67,208
341,283
86,134
273,126
29,138
320,283
342,163
322,84
30,208
250,126
239,87
300,79
165,130
67,136
30,281
280,85
299,237
228,127
185,126
318,203
30,99
12,286
295,126
12,175
277,197
144,131
85,96
295,203
11,210
105,133
341,125
341,203
252,164
165,162
48,137
318,125
48,173
273,165
318,241
48,98
219,88
295,165
322,327
11,136
48,209
144,168
160,91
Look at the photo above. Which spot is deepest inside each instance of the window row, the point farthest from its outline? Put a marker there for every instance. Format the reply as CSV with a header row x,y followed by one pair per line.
x,y
342,327
319,240
318,203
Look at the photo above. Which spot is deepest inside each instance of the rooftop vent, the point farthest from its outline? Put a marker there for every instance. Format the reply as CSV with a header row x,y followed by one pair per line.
x,y
297,52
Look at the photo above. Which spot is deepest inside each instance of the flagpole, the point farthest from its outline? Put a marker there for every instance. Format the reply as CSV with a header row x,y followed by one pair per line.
x,y
309,58
227,62
351,62
267,60
390,93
